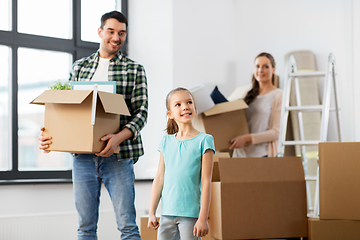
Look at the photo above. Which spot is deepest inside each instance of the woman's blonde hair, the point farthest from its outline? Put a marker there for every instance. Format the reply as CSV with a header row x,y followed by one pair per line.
x,y
172,127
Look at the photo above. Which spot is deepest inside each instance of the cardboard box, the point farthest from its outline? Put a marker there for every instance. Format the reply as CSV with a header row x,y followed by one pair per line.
x,y
216,173
77,119
224,121
339,180
259,198
333,229
145,232
149,234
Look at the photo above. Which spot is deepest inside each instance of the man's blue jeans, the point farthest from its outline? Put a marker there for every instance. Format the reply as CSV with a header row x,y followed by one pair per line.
x,y
118,176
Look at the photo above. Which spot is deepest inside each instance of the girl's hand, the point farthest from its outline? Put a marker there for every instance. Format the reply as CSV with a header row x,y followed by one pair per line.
x,y
201,228
153,222
240,141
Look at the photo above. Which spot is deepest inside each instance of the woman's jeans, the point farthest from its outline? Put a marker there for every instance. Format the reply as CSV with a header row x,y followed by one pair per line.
x,y
89,171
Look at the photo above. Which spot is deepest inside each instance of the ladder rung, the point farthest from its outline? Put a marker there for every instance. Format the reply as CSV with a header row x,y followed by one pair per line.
x,y
305,108
308,74
312,108
291,143
310,178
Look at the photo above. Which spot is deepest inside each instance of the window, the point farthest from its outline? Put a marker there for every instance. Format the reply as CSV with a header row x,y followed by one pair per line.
x,y
37,48
41,22
5,163
5,15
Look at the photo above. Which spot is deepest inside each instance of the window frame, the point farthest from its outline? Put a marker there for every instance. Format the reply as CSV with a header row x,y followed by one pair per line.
x,y
15,40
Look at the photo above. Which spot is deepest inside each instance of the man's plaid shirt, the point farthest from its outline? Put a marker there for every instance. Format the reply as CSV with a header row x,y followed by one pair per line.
x,y
131,82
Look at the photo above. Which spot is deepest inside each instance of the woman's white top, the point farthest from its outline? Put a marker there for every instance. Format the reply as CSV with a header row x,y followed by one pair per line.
x,y
258,119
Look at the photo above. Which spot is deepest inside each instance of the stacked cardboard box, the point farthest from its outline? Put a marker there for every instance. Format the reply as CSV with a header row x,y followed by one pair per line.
x,y
320,229
339,192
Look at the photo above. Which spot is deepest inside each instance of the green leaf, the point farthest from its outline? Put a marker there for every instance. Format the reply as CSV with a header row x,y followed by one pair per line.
x,y
58,85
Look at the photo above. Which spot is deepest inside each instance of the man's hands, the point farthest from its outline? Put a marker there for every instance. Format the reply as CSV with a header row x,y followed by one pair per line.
x,y
44,141
112,144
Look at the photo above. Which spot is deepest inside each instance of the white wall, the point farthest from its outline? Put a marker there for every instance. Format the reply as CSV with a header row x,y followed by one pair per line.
x,y
205,44
355,68
209,42
215,43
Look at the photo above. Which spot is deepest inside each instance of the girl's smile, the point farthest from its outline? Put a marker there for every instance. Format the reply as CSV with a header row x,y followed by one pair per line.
x,y
186,114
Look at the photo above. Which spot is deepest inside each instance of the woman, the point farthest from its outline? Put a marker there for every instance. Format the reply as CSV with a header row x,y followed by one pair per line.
x,y
263,115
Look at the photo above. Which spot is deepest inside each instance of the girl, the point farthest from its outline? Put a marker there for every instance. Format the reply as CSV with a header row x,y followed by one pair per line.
x,y
263,114
184,173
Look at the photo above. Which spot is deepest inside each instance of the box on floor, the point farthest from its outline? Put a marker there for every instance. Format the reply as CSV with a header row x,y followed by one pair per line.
x,y
333,229
145,232
86,113
339,180
259,198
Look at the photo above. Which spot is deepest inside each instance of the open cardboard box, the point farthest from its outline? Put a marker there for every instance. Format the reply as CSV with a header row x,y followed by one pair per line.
x,y
339,180
216,173
77,119
224,121
259,198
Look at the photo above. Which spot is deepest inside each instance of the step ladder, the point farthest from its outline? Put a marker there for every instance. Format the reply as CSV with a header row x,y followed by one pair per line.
x,y
330,81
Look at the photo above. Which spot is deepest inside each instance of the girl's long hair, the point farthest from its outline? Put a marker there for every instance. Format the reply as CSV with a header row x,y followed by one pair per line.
x,y
254,91
172,127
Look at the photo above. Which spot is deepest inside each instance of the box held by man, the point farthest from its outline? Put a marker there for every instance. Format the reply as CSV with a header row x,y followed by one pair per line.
x,y
77,119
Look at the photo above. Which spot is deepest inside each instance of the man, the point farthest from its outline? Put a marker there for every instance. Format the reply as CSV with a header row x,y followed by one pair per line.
x,y
115,170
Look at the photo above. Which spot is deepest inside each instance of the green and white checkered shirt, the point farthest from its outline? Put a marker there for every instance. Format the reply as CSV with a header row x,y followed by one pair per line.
x,y
131,82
